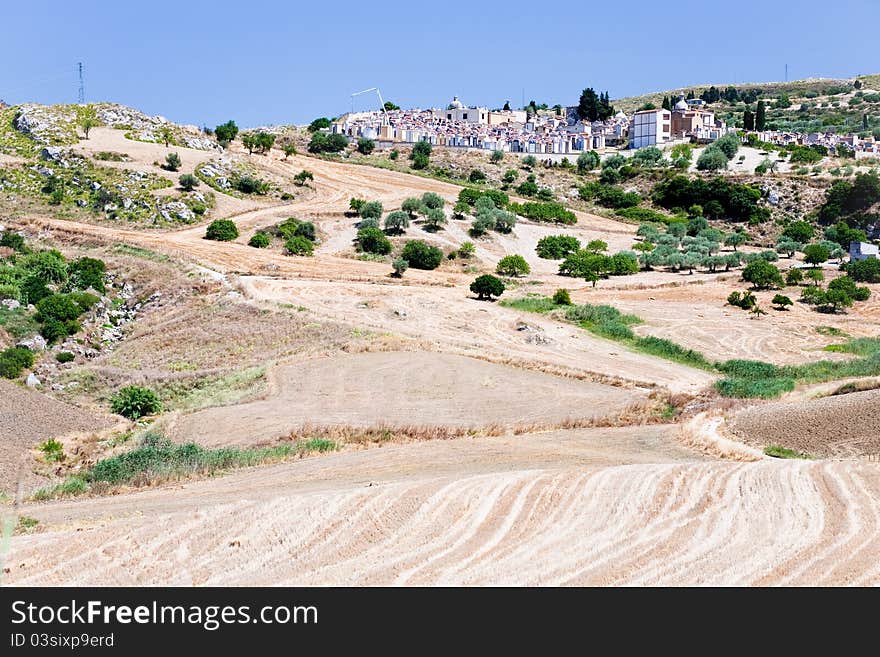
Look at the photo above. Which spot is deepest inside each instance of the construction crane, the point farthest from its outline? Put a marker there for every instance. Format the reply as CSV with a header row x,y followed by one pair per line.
x,y
366,91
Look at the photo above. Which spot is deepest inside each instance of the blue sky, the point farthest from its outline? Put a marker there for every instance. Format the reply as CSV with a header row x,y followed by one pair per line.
x,y
265,62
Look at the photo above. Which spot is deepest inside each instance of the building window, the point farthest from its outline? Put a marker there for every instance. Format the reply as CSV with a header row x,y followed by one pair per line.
x,y
464,116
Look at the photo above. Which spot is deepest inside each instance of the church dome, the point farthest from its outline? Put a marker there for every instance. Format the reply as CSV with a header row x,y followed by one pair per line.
x,y
681,105
456,103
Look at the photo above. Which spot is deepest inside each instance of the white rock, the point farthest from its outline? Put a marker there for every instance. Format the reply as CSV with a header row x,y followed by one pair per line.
x,y
34,343
32,381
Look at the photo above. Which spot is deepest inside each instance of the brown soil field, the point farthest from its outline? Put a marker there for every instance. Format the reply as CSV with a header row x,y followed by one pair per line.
x,y
401,388
830,427
588,507
28,418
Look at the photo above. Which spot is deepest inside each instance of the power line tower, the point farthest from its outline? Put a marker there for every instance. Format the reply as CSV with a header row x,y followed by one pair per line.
x,y
82,86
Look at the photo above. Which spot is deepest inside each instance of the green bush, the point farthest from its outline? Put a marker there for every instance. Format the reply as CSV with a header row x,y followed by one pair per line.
x,y
512,265
864,271
135,402
399,265
562,297
299,245
172,162
371,239
221,230
250,185
370,210
188,182
85,273
61,307
14,360
365,146
64,356
549,212
712,159
322,142
13,241
557,247
487,286
54,329
421,255
259,240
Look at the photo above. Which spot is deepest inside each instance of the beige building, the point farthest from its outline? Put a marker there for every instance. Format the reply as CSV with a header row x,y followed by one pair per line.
x,y
650,127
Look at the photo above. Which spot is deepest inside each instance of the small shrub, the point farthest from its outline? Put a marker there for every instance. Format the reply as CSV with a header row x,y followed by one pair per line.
x,y
221,230
259,240
64,357
512,265
299,245
14,360
52,450
562,297
421,255
188,182
134,402
399,265
371,239
467,250
172,162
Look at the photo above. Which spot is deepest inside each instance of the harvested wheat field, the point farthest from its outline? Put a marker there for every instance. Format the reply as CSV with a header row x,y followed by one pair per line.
x,y
838,426
548,509
403,389
28,418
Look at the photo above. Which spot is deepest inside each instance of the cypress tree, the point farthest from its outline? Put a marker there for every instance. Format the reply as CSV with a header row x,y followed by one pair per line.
x,y
760,117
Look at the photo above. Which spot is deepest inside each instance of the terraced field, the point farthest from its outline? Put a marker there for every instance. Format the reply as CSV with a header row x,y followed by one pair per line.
x,y
542,510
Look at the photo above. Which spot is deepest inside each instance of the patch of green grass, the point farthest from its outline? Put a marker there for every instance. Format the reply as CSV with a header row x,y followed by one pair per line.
x,y
213,391
532,304
26,524
831,332
743,388
864,347
669,350
158,460
13,142
779,452
138,252
18,323
70,487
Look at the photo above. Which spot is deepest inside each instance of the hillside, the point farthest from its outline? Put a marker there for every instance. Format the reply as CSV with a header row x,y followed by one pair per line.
x,y
813,105
332,382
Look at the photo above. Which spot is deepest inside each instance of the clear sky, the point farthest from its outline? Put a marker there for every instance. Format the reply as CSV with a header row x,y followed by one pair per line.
x,y
270,62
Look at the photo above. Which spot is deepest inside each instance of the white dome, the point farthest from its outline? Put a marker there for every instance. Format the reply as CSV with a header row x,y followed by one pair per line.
x,y
456,103
681,105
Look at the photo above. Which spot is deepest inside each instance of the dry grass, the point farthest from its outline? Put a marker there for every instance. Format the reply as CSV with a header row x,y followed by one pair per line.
x,y
639,413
